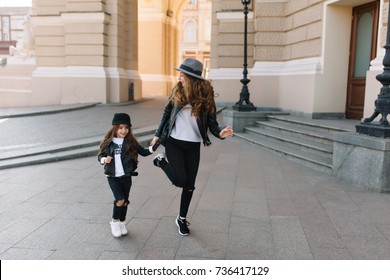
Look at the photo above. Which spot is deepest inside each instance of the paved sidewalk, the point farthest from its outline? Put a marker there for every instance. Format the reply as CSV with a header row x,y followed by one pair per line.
x,y
248,203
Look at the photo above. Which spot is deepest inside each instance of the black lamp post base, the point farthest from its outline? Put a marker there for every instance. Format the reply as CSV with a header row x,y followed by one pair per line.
x,y
244,108
373,129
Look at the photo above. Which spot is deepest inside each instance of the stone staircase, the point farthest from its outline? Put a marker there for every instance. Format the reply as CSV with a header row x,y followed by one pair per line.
x,y
63,151
298,139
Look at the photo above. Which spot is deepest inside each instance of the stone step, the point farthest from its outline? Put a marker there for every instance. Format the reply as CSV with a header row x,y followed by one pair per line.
x,y
292,130
315,161
291,141
313,125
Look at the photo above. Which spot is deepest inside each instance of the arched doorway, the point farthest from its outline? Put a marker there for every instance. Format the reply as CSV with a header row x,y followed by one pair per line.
x,y
163,42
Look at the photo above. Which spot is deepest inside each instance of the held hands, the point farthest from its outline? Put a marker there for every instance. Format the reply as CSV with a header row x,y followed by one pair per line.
x,y
226,132
155,143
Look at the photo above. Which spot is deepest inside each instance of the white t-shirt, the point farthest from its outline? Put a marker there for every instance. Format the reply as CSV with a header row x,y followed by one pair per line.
x,y
117,157
186,127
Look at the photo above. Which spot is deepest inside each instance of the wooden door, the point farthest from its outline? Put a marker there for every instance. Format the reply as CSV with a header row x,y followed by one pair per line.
x,y
362,51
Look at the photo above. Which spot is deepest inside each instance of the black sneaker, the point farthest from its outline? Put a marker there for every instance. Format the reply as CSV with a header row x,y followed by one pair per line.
x,y
161,157
182,226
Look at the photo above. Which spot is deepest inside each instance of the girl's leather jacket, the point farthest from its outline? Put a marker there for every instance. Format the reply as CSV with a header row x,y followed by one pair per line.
x,y
129,164
204,122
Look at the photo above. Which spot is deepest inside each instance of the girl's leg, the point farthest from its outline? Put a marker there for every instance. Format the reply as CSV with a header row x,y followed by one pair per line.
x,y
116,188
120,188
126,184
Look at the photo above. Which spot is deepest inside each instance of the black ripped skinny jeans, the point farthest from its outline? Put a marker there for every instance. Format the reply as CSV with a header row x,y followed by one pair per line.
x,y
183,158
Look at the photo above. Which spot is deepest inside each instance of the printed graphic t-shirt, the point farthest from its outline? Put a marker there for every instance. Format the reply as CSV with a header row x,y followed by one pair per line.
x,y
117,157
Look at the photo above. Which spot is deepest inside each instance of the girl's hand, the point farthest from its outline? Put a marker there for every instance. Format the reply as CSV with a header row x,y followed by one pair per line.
x,y
154,140
226,132
108,159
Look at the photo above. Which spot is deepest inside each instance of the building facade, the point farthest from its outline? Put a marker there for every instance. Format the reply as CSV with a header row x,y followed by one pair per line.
x,y
313,58
309,57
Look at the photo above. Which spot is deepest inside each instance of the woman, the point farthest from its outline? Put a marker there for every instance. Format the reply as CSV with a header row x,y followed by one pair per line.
x,y
190,112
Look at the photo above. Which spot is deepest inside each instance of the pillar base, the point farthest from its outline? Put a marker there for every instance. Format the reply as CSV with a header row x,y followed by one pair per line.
x,y
362,159
240,119
373,129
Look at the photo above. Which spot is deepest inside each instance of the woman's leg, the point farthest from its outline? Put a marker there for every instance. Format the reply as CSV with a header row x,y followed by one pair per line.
x,y
191,163
175,167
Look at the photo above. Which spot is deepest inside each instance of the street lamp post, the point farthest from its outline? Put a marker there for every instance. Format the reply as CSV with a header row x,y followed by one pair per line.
x,y
382,104
244,94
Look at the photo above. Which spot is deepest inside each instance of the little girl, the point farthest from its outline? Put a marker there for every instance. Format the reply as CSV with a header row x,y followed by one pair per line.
x,y
119,152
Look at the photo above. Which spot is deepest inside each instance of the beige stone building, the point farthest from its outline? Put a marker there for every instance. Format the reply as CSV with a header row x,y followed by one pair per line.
x,y
308,57
314,58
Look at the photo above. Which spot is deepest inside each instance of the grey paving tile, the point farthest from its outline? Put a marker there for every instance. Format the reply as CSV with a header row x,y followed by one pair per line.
x,y
52,234
215,200
368,247
335,200
281,207
202,244
257,210
250,237
20,229
4,247
165,235
89,233
290,240
9,214
154,207
47,210
79,251
384,230
352,223
266,254
250,195
92,212
157,253
25,254
112,255
277,190
299,189
331,253
374,207
211,220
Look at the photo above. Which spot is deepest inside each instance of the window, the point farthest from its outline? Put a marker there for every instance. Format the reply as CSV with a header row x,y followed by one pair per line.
x,y
5,28
190,31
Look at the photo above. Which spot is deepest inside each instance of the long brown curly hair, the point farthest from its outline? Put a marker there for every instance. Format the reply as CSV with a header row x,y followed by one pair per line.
x,y
196,92
131,144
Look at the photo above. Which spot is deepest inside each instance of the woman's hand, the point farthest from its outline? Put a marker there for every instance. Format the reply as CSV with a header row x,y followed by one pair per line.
x,y
226,132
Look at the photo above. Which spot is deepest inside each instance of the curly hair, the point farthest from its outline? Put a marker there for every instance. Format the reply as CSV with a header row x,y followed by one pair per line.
x,y
196,92
131,146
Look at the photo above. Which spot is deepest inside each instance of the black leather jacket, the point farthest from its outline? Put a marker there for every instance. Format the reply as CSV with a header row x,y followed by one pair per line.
x,y
204,122
129,164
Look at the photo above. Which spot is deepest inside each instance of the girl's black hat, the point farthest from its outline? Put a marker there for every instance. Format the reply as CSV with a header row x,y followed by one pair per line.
x,y
121,118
